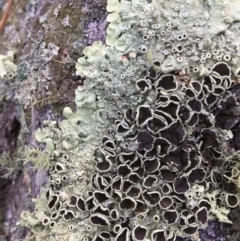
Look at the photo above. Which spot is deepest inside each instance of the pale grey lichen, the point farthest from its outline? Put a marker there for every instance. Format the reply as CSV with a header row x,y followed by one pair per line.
x,y
133,159
7,67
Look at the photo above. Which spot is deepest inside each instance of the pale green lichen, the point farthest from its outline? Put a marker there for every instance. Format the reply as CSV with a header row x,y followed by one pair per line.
x,y
35,157
143,116
7,67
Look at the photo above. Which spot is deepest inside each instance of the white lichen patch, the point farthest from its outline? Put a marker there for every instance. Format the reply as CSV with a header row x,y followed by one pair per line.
x,y
65,21
57,10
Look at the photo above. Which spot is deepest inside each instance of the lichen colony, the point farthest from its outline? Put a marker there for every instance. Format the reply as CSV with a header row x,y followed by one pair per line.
x,y
139,157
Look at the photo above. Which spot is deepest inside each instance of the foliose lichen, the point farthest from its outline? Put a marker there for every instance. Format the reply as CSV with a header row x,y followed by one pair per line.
x,y
139,158
8,68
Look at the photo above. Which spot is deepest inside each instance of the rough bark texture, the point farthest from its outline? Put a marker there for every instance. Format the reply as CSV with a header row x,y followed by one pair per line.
x,y
9,126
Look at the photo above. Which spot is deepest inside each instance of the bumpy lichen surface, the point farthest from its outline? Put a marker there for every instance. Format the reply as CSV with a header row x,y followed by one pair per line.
x,y
135,159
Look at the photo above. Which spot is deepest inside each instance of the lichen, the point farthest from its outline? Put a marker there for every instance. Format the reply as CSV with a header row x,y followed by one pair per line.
x,y
7,66
140,156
